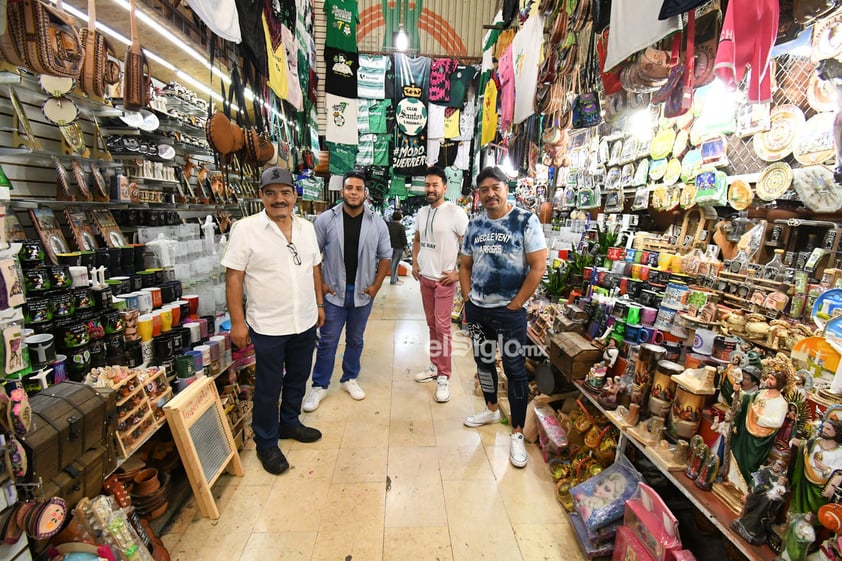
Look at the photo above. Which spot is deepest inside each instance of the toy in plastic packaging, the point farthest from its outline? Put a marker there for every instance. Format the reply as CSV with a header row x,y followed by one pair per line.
x,y
601,499
552,438
652,523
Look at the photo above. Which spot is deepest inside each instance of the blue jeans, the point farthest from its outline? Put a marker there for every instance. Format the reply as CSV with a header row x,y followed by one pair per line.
x,y
336,317
397,253
282,366
494,329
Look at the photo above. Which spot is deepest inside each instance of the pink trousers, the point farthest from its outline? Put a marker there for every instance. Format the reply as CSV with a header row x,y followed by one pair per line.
x,y
438,305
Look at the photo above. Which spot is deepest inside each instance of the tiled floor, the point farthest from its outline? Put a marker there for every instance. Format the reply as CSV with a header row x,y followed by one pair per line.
x,y
396,476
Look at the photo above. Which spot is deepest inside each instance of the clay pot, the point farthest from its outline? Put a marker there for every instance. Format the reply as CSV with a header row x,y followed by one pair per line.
x,y
146,482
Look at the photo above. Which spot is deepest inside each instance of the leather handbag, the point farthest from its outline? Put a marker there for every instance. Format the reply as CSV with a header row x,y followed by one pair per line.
x,y
42,38
136,80
708,29
98,68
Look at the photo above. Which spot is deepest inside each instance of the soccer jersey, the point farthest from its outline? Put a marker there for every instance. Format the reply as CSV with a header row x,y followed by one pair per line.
x,y
467,121
526,56
373,149
455,178
435,120
461,82
451,122
440,70
498,249
412,76
341,72
342,19
371,76
378,115
342,158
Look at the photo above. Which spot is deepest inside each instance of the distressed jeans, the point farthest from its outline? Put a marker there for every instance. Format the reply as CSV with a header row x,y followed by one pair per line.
x,y
500,330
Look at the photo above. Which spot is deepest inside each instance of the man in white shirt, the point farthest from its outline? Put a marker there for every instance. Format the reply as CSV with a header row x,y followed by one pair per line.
x,y
275,256
439,228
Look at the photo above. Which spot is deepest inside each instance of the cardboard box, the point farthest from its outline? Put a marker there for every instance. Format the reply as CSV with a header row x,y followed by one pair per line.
x,y
573,355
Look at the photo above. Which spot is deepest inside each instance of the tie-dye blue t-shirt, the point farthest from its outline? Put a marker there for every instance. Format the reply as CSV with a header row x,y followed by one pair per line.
x,y
499,248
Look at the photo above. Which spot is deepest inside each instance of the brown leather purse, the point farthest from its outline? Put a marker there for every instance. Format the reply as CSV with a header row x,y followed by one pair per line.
x,y
136,80
41,38
98,69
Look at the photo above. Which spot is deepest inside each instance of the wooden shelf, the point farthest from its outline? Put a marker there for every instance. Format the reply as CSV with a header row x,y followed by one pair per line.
x,y
537,341
714,510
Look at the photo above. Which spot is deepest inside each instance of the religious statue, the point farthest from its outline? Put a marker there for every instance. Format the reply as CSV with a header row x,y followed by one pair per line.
x,y
732,377
768,489
799,535
815,461
759,418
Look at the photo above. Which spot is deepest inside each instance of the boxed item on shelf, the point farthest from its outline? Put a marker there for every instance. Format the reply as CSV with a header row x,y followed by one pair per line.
x,y
573,355
590,549
627,546
552,438
652,523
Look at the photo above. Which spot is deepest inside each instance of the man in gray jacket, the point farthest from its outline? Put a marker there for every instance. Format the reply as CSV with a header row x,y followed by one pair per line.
x,y
357,250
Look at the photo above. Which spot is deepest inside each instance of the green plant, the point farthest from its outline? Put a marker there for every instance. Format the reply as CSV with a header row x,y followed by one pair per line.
x,y
562,278
606,238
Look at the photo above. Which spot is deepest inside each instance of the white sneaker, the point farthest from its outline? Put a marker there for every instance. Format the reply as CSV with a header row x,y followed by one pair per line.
x,y
484,417
311,403
442,389
517,450
354,389
427,375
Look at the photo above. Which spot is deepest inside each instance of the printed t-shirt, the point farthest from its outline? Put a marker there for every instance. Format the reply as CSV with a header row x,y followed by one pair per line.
x,y
440,70
439,230
435,121
451,122
341,72
371,76
341,118
461,81
489,113
342,19
342,159
526,56
506,77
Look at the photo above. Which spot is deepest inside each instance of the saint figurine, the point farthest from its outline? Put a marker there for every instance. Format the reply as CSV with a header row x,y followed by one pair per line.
x,y
815,461
768,490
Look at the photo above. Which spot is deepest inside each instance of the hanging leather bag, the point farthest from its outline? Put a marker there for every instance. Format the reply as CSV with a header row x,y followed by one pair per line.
x,y
41,38
586,109
136,80
98,68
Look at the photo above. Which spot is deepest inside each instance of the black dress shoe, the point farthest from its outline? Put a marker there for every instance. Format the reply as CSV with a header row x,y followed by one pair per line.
x,y
300,433
273,460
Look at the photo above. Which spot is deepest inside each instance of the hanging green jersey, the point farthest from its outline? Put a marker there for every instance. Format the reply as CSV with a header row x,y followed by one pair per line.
x,y
342,19
342,158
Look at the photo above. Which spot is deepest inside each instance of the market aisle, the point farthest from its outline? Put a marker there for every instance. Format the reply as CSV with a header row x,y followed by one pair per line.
x,y
396,476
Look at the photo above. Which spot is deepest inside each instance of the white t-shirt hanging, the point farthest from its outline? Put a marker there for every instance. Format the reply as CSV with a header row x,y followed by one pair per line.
x,y
371,76
341,118
220,17
435,120
467,121
635,26
526,56
294,95
463,155
433,148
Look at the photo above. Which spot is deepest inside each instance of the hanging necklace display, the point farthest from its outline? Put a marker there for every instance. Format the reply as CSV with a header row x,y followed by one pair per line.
x,y
20,123
81,181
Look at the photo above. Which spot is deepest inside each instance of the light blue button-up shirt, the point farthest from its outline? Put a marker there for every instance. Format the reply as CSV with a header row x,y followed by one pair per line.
x,y
374,245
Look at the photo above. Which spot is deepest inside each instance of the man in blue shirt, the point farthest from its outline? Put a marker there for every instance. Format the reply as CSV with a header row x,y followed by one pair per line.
x,y
357,253
504,256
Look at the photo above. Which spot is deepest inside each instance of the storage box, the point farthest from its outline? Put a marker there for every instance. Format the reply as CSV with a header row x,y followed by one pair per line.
x,y
552,438
652,523
589,549
67,420
82,478
573,355
627,546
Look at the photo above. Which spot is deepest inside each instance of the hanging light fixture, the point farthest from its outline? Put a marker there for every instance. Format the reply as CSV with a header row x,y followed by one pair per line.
x,y
401,39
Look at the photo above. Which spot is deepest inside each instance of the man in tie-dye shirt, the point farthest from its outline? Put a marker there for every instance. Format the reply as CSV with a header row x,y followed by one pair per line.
x,y
504,256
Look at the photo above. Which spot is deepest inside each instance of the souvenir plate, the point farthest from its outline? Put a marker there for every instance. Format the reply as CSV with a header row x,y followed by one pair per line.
x,y
821,94
150,121
612,180
641,173
774,181
132,119
815,143
60,110
673,171
57,244
661,197
627,175
827,38
657,169
62,178
55,85
740,195
629,150
679,147
687,198
100,181
817,189
674,197
690,166
775,144
662,144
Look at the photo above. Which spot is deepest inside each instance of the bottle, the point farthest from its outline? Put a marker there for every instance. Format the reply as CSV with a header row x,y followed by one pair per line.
x,y
739,263
775,268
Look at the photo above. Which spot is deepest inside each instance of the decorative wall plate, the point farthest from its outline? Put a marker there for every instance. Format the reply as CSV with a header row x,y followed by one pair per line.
x,y
827,38
626,175
821,94
660,197
774,181
662,144
55,85
690,165
150,121
776,143
641,173
62,181
101,191
740,195
132,119
612,179
817,189
814,144
679,147
687,198
657,169
673,171
629,150
166,152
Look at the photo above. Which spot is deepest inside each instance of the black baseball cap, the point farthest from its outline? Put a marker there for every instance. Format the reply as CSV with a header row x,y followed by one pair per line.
x,y
276,176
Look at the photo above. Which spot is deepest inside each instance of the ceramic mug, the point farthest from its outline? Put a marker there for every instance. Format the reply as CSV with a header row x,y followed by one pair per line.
x,y
703,341
648,315
633,315
42,350
654,336
166,319
144,327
